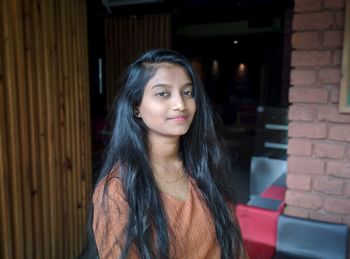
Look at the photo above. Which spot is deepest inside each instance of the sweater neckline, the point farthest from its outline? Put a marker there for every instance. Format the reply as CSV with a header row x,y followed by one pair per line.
x,y
178,200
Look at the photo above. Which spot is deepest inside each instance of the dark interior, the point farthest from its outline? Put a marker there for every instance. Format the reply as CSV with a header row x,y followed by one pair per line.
x,y
239,48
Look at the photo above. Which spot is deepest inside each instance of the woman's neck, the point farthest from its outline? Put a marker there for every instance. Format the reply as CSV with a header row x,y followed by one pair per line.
x,y
167,167
164,151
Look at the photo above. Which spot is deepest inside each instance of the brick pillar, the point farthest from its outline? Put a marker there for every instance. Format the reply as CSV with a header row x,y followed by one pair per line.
x,y
319,136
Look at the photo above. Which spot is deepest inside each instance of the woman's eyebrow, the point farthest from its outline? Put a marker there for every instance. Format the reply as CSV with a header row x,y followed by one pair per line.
x,y
160,85
188,84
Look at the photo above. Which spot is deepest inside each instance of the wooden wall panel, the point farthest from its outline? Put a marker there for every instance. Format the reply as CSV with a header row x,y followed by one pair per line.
x,y
126,38
45,153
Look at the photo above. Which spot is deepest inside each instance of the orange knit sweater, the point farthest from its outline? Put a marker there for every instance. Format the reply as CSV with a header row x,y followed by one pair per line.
x,y
192,232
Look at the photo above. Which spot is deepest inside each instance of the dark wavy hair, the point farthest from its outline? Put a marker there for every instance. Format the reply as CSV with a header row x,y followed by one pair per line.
x,y
201,153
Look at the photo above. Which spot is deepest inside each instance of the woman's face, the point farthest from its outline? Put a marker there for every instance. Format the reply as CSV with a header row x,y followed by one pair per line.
x,y
167,106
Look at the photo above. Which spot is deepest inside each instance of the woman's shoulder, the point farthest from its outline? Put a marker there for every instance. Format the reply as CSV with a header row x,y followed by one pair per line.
x,y
110,187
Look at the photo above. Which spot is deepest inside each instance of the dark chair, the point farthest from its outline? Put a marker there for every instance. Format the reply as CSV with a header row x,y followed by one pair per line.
x,y
264,172
305,238
266,203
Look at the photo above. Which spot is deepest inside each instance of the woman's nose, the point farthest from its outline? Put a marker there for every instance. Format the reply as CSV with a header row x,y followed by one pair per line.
x,y
179,103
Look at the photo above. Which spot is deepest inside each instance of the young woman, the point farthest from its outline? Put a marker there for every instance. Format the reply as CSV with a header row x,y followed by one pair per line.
x,y
162,191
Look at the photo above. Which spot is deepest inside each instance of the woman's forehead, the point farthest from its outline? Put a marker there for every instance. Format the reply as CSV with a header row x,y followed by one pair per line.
x,y
169,74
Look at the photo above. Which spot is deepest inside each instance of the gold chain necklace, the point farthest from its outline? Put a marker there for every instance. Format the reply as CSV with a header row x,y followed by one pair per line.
x,y
183,174
173,181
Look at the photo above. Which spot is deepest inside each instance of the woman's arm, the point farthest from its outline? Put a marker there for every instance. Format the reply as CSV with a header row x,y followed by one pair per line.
x,y
110,218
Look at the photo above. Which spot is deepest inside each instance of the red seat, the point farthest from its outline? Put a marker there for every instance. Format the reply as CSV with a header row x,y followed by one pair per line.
x,y
275,192
259,230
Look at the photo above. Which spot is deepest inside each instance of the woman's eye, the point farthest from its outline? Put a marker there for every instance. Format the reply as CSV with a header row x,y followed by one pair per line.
x,y
162,94
188,93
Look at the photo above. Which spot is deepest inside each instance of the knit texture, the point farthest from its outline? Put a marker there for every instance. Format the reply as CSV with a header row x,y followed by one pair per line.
x,y
191,228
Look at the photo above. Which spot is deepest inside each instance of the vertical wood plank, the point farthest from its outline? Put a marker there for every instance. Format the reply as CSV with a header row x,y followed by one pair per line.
x,y
75,126
66,162
5,216
86,171
59,113
24,173
43,107
14,156
32,83
50,72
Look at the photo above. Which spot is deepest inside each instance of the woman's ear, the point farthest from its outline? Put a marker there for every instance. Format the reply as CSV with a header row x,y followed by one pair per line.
x,y
137,112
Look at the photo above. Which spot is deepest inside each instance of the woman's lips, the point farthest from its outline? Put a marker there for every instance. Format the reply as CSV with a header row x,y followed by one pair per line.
x,y
180,118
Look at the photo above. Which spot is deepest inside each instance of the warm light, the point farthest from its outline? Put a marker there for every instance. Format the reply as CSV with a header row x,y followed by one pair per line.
x,y
215,68
241,68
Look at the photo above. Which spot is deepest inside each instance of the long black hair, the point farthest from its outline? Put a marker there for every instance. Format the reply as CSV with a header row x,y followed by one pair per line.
x,y
200,151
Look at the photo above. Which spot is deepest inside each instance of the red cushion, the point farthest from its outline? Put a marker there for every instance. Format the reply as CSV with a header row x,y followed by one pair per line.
x,y
259,230
275,192
257,250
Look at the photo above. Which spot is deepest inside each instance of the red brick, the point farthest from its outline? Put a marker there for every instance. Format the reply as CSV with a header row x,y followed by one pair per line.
x,y
339,17
347,189
334,4
326,150
331,114
311,58
308,130
339,169
330,75
341,133
303,77
304,200
299,182
308,95
307,5
302,113
334,96
330,86
299,147
296,212
337,57
313,21
324,216
346,220
339,206
306,40
333,39
328,185
308,166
